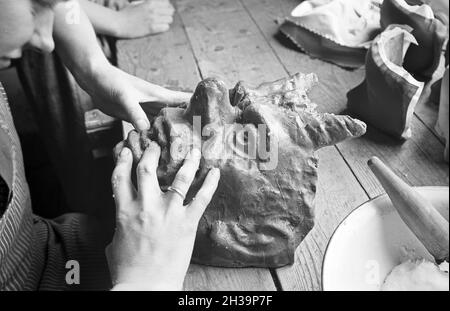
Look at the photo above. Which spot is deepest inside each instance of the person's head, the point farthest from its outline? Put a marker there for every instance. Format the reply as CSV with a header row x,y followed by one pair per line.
x,y
25,24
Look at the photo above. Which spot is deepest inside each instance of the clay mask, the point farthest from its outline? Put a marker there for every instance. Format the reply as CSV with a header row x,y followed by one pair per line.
x,y
263,140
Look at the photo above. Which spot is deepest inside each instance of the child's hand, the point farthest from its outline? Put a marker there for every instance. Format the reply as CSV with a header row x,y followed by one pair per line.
x,y
118,94
145,18
155,234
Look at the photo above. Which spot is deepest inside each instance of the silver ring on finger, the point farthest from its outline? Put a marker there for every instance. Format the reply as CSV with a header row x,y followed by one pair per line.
x,y
177,191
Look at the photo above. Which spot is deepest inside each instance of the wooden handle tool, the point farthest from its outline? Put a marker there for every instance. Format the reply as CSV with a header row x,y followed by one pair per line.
x,y
418,213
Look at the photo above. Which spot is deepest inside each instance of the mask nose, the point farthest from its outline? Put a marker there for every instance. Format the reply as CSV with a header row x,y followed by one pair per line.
x,y
43,34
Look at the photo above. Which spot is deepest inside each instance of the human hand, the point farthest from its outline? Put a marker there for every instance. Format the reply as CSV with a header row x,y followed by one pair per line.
x,y
155,233
119,94
145,18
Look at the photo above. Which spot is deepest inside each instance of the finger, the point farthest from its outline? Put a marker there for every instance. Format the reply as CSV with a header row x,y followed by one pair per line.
x,y
205,194
121,179
146,171
171,7
136,114
158,28
186,175
117,150
134,143
167,19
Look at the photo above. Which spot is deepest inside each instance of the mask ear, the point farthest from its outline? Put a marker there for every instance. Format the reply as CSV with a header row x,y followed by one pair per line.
x,y
327,129
289,114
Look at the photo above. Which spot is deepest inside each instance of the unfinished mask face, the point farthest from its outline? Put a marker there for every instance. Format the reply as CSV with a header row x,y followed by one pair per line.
x,y
263,140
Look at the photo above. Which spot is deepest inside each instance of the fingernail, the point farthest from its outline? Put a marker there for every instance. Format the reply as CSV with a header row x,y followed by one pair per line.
x,y
196,154
215,172
142,125
154,145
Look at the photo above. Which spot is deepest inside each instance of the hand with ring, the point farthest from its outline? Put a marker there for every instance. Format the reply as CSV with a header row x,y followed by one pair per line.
x,y
155,232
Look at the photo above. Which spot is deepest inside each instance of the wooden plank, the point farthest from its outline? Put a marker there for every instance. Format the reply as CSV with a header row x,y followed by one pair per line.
x,y
164,59
228,44
426,110
419,160
201,278
338,193
167,60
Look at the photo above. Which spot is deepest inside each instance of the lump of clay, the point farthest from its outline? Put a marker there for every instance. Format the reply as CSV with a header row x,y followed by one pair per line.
x,y
263,140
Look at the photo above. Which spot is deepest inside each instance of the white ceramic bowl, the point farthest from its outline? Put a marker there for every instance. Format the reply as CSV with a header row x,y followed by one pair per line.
x,y
371,241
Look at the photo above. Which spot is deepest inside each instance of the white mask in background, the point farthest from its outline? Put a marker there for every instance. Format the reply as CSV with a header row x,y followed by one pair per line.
x,y
337,31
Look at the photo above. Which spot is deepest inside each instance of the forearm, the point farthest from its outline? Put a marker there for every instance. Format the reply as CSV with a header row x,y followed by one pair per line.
x,y
115,92
77,44
105,21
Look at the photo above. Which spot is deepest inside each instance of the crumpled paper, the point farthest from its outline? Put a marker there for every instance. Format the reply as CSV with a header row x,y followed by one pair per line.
x,y
387,97
338,31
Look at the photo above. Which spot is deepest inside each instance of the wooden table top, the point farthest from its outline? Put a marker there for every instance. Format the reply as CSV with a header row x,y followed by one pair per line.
x,y
236,40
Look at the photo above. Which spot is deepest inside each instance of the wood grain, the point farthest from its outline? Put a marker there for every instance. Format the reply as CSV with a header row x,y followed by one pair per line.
x,y
418,160
338,193
167,60
226,42
237,40
202,278
426,110
245,54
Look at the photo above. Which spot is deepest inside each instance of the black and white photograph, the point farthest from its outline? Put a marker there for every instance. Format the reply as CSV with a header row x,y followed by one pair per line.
x,y
224,151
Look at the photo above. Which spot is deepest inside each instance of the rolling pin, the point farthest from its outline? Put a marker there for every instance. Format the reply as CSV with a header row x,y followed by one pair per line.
x,y
418,213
